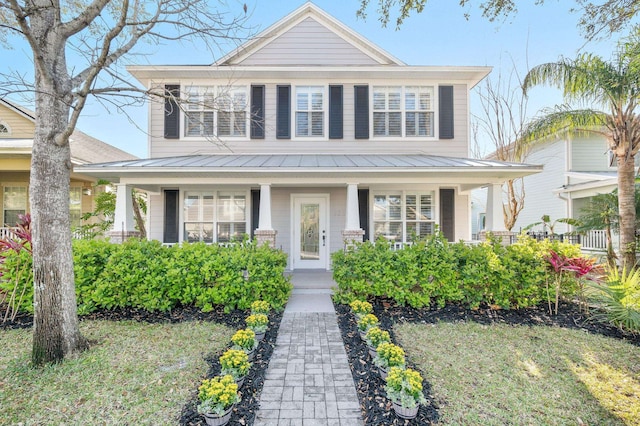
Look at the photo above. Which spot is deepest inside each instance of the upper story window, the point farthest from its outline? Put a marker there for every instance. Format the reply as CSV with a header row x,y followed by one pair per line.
x,y
216,113
403,111
310,111
4,129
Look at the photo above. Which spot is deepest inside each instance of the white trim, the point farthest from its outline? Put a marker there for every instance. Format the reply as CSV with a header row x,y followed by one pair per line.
x,y
307,10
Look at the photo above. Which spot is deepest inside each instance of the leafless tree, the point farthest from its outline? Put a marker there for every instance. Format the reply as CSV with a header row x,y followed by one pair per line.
x,y
76,47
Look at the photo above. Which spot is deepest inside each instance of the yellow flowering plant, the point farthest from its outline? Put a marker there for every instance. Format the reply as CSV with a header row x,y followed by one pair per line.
x,y
389,355
235,363
216,395
257,322
375,336
360,308
260,307
404,387
244,340
367,321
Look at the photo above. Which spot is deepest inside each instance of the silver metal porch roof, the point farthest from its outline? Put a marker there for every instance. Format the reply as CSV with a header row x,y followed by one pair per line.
x,y
307,162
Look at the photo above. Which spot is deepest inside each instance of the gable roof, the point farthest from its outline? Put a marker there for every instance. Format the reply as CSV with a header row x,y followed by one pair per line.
x,y
84,148
326,27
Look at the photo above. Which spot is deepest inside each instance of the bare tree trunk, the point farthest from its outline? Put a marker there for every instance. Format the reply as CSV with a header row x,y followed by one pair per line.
x,y
627,210
55,323
138,215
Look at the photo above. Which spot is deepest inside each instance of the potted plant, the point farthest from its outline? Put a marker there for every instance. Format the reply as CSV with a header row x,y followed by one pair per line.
x,y
258,323
404,389
217,397
245,340
235,363
365,323
374,337
360,308
260,307
388,355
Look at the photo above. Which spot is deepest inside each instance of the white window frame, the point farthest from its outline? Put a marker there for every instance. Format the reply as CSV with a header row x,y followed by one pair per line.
x,y
404,89
405,235
4,201
310,89
429,112
233,221
209,221
210,99
7,128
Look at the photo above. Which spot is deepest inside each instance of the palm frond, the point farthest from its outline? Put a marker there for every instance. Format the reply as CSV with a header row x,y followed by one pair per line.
x,y
561,118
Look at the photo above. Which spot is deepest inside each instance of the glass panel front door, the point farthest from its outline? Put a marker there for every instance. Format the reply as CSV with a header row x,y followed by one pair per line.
x,y
310,231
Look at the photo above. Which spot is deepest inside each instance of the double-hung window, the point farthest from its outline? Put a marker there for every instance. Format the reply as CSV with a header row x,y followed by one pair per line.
x,y
310,107
198,217
419,114
401,217
387,113
14,204
232,112
75,206
214,217
403,111
232,216
199,111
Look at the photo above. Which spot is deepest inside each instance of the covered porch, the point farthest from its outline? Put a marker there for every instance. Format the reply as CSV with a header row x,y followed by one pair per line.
x,y
309,205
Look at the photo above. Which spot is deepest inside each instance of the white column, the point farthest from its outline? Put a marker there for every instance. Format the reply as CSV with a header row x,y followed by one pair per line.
x,y
123,216
352,221
264,218
495,218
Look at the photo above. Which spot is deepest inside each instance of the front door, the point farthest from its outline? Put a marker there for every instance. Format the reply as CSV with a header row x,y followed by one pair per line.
x,y
310,231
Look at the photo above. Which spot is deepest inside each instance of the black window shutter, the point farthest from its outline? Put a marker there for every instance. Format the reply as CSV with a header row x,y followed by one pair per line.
x,y
445,96
255,210
171,112
283,113
447,213
335,112
363,203
170,216
257,112
361,113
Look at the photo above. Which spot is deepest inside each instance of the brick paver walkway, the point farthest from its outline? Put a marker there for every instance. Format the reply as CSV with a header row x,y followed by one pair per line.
x,y
308,381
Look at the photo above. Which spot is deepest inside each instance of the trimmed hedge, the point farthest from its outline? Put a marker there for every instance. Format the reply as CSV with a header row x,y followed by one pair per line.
x,y
434,271
147,275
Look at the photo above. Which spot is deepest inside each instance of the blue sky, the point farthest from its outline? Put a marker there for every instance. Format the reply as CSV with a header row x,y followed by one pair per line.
x,y
439,36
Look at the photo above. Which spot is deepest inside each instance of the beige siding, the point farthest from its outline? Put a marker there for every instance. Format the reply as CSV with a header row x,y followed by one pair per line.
x,y
155,207
457,147
309,43
20,127
589,154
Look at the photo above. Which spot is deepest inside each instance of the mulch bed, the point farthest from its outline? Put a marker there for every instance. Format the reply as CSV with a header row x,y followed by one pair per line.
x,y
245,411
376,408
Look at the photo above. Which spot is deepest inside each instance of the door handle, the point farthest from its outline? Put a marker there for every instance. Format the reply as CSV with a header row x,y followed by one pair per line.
x,y
324,239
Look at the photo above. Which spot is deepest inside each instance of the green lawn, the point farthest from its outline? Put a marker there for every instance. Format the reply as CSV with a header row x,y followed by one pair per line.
x,y
135,374
516,375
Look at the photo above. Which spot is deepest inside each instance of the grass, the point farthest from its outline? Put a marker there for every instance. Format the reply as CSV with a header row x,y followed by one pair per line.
x,y
517,375
135,374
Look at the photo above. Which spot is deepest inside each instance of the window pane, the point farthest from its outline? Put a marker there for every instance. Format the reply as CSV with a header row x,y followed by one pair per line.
x,y
316,123
207,208
75,206
224,123
207,124
411,207
192,208
15,204
425,99
379,124
410,101
394,100
192,232
316,101
192,125
240,123
395,124
379,100
302,124
380,207
303,101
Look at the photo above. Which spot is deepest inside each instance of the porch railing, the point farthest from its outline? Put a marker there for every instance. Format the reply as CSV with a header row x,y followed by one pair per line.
x,y
594,240
6,233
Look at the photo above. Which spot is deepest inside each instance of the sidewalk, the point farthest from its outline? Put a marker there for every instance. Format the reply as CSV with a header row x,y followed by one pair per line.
x,y
309,381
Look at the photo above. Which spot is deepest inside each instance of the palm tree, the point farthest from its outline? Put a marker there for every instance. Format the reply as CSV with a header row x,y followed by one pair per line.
x,y
614,87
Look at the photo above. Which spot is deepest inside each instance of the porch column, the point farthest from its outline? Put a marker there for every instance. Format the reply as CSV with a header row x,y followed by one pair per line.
x,y
124,226
265,232
352,232
495,214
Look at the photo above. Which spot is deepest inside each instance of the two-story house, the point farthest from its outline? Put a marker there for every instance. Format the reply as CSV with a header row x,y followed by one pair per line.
x,y
308,137
17,126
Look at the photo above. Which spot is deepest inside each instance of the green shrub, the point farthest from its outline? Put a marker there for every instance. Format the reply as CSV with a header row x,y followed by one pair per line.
x,y
147,275
432,271
17,269
619,298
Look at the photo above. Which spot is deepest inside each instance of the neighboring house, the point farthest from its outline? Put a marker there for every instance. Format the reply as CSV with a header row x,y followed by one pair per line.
x,y
576,168
17,126
307,137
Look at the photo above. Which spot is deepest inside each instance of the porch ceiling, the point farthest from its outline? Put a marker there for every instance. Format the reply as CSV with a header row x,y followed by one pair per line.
x,y
326,169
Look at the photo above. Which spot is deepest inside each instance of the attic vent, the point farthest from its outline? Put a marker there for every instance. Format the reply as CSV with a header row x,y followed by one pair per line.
x,y
4,129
